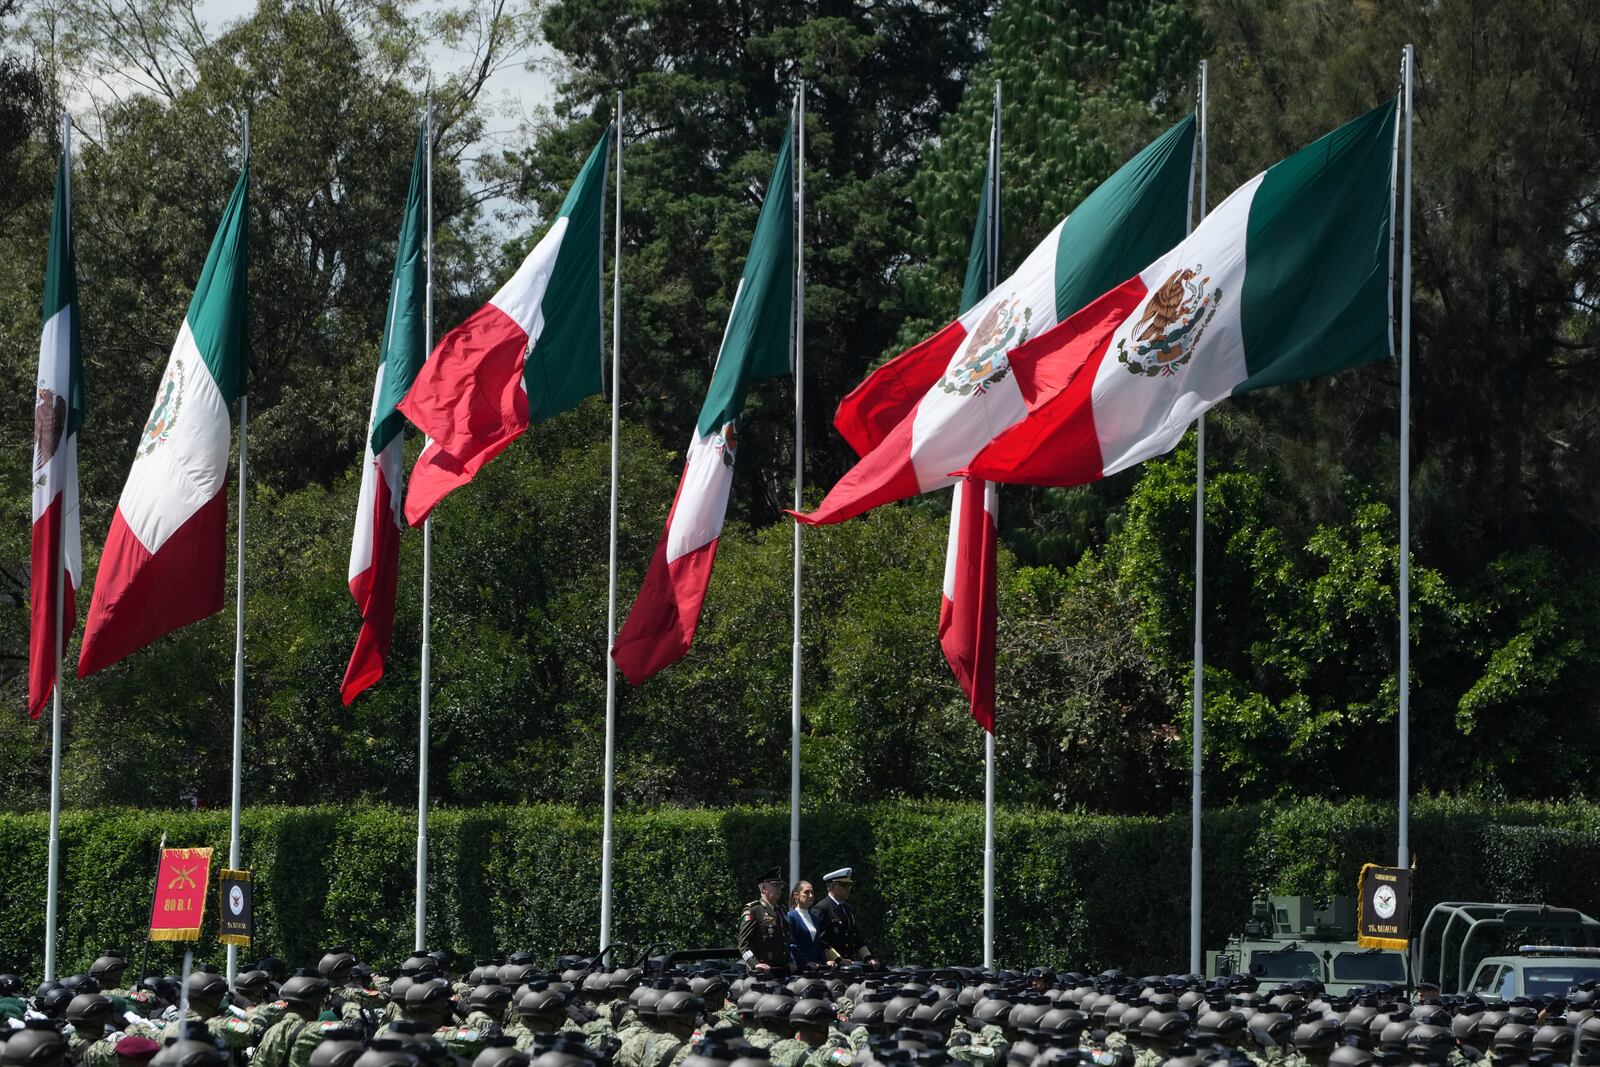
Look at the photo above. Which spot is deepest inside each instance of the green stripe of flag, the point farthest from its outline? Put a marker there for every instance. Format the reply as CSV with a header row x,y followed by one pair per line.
x,y
61,291
219,309
1315,297
403,338
756,344
564,364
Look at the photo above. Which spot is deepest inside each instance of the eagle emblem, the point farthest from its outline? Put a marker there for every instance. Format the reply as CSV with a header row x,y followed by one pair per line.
x,y
1173,320
725,442
982,361
49,425
164,415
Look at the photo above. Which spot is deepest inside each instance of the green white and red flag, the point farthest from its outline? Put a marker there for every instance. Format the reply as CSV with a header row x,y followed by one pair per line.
x,y
926,412
165,559
531,352
380,515
1288,279
661,624
57,558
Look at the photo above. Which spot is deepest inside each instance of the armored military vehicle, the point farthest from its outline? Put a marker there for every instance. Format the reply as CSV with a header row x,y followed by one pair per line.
x,y
1288,938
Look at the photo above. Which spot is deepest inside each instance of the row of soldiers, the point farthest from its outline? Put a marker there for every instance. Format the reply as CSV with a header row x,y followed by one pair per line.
x,y
512,1013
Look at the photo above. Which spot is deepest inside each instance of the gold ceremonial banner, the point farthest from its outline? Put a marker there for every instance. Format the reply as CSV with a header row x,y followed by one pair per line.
x,y
1383,909
238,922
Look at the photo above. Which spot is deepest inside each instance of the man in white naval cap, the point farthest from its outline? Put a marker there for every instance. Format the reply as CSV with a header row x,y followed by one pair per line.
x,y
836,920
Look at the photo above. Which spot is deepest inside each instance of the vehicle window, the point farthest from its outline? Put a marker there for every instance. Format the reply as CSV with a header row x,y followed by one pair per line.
x,y
1555,981
1508,983
1265,963
1373,965
1485,980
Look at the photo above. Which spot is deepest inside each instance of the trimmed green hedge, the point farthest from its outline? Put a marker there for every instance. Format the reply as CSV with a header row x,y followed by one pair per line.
x,y
1090,891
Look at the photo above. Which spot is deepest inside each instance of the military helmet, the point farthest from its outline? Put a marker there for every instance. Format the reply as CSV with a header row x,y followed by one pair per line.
x,y
501,1051
567,1053
207,985
899,1010
992,1007
81,983
1430,1015
430,994
1270,1029
1164,1027
304,987
1063,1020
10,984
1513,1039
387,1052
938,1015
539,1003
1128,1022
679,1004
773,1008
1320,1033
1425,1039
1221,1025
867,1012
91,1009
1027,1014
1488,1024
713,987
419,964
340,1047
253,983
336,964
488,996
514,974
37,1044
191,1051
811,1011
625,979
108,967
1394,1035
53,1003
1588,1035
1463,1025
1350,1056
1290,1004
1554,1038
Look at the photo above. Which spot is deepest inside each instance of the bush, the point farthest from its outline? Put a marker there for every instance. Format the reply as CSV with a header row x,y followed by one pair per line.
x,y
1089,891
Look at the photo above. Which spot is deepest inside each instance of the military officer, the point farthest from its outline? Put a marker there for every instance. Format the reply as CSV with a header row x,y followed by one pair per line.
x,y
763,929
291,1040
836,920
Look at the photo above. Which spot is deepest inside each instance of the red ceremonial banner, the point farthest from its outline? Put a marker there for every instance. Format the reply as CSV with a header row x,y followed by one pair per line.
x,y
180,902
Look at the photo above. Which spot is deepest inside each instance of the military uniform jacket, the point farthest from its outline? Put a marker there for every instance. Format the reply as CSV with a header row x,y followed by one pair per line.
x,y
290,1041
764,935
837,924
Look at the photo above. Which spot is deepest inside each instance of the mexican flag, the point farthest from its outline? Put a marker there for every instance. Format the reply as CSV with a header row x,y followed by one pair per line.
x,y
1288,279
661,625
967,604
375,545
927,411
165,558
531,352
57,414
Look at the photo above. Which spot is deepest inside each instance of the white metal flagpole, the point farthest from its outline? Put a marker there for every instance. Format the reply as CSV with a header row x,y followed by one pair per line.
x,y
799,469
53,864
1404,849
992,265
1197,705
238,630
420,940
611,591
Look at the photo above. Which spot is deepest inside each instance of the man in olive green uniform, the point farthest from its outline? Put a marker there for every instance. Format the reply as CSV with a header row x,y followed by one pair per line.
x,y
764,928
357,1005
808,1022
107,970
677,1014
90,1045
290,1041
206,990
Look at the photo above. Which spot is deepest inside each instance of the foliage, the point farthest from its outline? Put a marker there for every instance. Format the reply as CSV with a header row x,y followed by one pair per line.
x,y
1086,891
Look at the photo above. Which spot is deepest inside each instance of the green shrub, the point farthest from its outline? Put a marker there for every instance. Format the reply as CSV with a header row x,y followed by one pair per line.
x,y
1089,891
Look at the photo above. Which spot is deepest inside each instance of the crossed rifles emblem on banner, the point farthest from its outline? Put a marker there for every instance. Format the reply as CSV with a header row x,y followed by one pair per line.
x,y
184,878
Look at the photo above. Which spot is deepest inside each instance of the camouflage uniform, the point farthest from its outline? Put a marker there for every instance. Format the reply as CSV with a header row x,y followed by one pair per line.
x,y
978,1053
291,1041
662,1048
790,1052
761,1037
830,1055
139,1001
467,1040
1149,1057
86,1052
235,1034
361,1007
267,1013
634,1043
596,1033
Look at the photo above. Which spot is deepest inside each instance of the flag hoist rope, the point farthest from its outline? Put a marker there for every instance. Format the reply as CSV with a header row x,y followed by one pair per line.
x,y
798,333
1197,703
238,606
425,704
53,863
992,267
611,589
1403,850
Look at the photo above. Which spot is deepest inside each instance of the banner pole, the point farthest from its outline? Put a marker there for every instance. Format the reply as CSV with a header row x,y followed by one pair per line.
x,y
1197,699
53,863
799,472
420,937
155,887
238,631
611,590
1404,850
993,267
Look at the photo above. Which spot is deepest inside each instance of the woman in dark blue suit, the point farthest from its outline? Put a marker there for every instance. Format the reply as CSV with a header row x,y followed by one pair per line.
x,y
806,946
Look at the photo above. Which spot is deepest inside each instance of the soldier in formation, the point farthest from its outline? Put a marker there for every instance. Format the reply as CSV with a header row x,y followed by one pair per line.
x,y
728,1013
